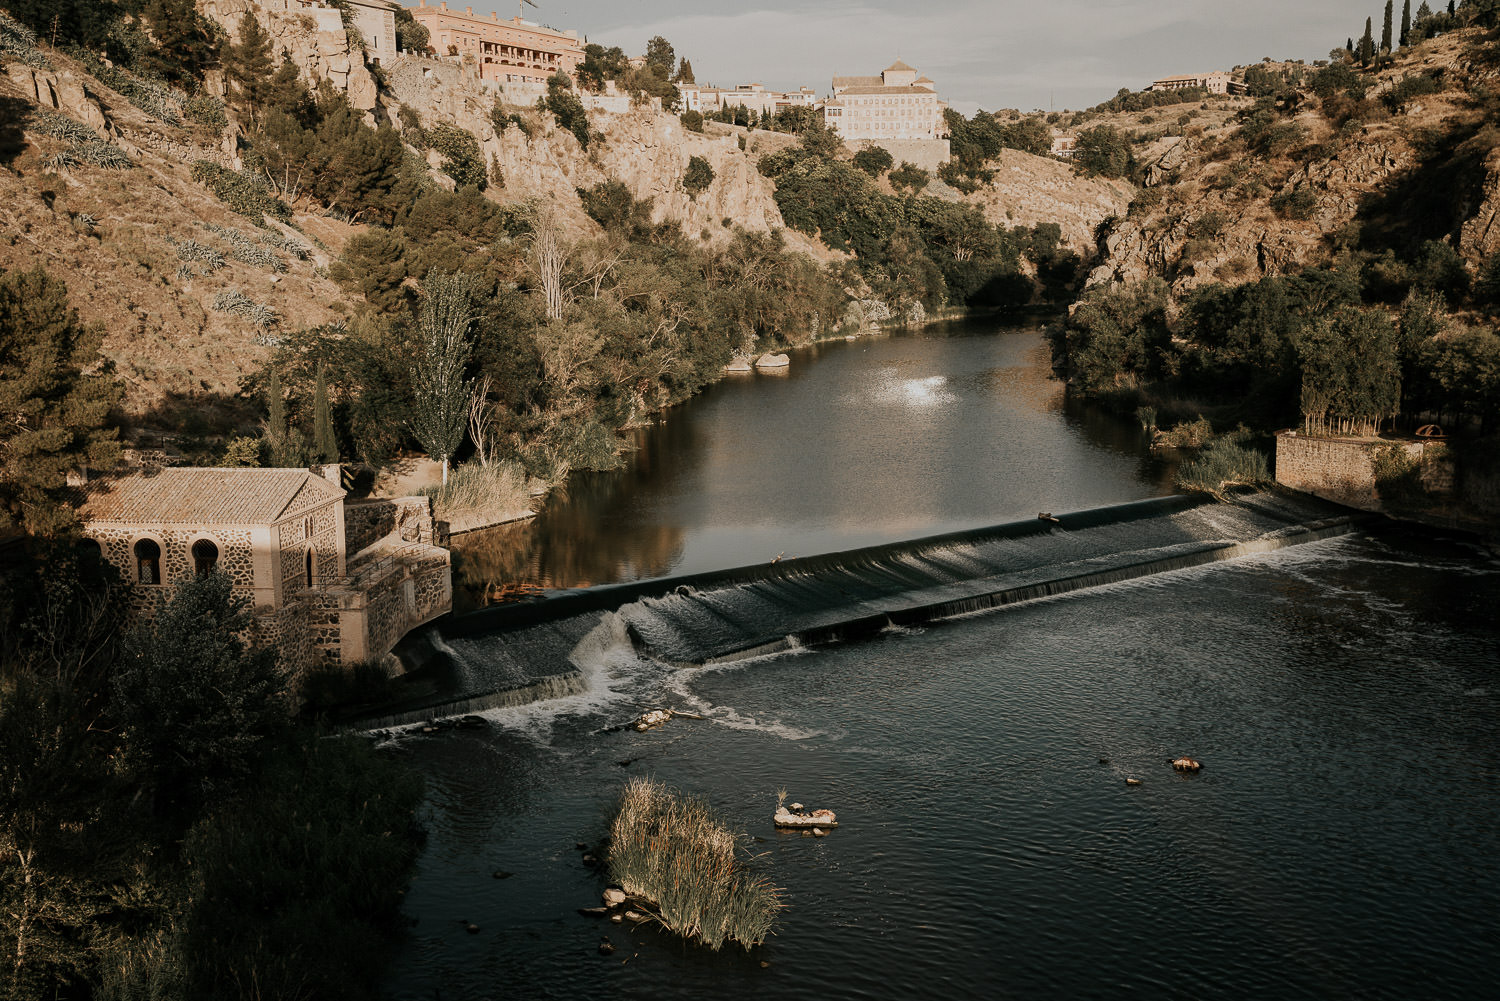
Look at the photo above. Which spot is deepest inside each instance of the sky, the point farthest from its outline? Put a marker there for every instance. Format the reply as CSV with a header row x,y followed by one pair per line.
x,y
999,54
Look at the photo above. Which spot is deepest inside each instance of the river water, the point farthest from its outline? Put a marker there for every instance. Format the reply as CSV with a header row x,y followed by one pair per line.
x,y
1342,838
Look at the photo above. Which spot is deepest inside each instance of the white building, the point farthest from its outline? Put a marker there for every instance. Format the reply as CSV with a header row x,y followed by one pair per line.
x,y
897,104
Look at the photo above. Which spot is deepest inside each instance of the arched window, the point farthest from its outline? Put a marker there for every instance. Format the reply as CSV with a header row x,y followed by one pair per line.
x,y
147,562
205,557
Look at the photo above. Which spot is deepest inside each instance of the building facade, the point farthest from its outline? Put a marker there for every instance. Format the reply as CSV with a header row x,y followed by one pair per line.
x,y
1217,82
899,104
512,51
281,536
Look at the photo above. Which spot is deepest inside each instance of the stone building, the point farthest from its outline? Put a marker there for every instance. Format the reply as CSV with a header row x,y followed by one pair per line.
x,y
1217,82
898,104
511,51
283,538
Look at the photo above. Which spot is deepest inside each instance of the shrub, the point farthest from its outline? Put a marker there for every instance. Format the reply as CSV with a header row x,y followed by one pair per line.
x,y
206,110
1408,89
874,161
191,250
910,177
242,193
19,42
1192,434
249,250
481,492
672,850
1299,203
1398,476
238,304
692,121
462,159
699,175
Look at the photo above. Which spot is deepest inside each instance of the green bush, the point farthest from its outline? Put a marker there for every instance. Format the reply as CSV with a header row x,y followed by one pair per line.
x,y
699,175
874,161
1299,203
692,121
242,193
909,176
206,110
462,158
1408,89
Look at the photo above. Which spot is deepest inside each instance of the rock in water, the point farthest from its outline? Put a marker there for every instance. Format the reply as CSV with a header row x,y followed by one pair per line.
x,y
614,896
1186,764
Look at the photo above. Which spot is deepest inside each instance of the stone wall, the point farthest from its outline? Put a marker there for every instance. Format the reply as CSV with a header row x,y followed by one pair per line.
x,y
1336,469
236,551
366,522
296,535
929,154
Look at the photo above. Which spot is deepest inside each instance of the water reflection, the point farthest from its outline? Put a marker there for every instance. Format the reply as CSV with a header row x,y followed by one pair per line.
x,y
857,443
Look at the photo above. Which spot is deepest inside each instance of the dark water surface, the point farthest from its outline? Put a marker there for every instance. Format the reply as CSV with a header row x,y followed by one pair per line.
x,y
860,442
1343,838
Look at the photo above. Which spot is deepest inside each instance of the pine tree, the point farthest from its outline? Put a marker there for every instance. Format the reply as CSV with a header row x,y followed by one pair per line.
x,y
440,404
325,442
54,413
1385,31
247,66
1367,45
1405,22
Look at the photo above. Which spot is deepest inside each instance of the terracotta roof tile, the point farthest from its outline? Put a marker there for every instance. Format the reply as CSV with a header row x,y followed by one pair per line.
x,y
891,91
899,67
857,81
197,495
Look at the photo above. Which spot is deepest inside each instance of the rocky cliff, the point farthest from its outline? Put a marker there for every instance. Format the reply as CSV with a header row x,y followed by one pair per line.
x,y
1219,207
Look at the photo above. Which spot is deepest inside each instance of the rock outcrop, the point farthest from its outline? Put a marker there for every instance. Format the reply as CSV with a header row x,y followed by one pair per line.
x,y
1031,189
314,41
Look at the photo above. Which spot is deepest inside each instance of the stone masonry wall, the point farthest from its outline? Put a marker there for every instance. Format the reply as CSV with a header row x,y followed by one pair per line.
x,y
1336,469
368,521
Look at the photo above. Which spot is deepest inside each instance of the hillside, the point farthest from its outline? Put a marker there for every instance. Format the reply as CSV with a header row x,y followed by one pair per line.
x,y
1308,176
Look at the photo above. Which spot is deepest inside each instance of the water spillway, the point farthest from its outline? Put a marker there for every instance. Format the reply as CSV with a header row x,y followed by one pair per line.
x,y
506,655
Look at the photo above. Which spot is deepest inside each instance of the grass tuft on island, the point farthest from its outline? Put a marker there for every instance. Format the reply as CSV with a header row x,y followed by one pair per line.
x,y
673,851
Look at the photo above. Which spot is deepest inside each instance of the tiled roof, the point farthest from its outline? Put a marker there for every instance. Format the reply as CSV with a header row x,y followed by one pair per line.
x,y
886,91
899,67
857,81
180,495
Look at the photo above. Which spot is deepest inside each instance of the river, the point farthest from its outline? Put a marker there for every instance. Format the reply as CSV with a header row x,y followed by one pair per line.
x,y
1343,837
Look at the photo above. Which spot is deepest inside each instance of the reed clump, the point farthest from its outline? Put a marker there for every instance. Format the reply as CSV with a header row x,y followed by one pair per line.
x,y
672,850
479,494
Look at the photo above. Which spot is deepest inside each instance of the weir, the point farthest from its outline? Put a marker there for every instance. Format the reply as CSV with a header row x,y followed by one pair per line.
x,y
510,655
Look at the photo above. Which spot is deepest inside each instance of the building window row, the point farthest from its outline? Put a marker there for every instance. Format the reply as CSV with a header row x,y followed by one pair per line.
x,y
148,554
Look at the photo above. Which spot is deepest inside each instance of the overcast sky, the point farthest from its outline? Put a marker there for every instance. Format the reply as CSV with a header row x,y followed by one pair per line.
x,y
1037,54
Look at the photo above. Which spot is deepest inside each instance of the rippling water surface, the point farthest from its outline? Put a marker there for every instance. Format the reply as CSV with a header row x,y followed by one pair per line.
x,y
1341,839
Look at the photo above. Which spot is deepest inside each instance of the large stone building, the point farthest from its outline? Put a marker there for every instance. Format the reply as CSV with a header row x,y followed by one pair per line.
x,y
899,104
1217,82
323,582
511,51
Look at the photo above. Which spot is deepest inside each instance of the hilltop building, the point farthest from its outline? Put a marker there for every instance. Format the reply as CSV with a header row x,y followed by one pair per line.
x,y
374,19
753,96
899,104
512,51
324,581
1217,82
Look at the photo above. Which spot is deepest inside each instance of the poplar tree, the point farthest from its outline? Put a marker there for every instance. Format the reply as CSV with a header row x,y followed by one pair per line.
x,y
325,443
1405,22
284,443
1366,45
440,390
1385,31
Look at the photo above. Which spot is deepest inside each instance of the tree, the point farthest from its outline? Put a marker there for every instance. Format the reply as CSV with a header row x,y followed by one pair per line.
x,y
247,66
186,44
659,56
1405,23
440,389
56,392
698,176
685,71
1385,30
692,121
325,442
874,161
909,176
462,158
282,441
411,35
1102,151
374,263
194,703
1366,45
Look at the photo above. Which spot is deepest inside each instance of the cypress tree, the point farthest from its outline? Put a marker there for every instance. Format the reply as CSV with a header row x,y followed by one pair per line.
x,y
1350,46
325,443
1405,22
248,65
1367,44
1385,31
1450,8
284,443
